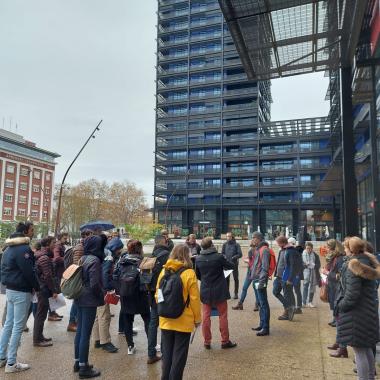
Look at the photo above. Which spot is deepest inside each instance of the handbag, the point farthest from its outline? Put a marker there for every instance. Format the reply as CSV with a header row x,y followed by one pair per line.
x,y
146,270
111,298
323,294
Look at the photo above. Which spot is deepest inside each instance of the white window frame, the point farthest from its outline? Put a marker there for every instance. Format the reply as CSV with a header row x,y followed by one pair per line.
x,y
48,177
10,169
7,211
24,186
24,172
34,214
35,202
9,184
37,174
22,199
36,189
21,212
8,197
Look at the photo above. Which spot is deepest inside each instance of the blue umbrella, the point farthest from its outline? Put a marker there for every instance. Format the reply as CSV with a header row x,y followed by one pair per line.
x,y
102,225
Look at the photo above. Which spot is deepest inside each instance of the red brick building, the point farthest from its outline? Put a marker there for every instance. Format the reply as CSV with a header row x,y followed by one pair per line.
x,y
26,179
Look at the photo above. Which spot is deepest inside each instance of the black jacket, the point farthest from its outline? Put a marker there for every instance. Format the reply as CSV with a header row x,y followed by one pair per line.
x,y
293,263
138,302
209,268
92,294
17,265
162,253
357,306
231,249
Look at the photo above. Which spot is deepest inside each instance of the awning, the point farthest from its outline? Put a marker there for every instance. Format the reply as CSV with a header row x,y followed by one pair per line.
x,y
278,38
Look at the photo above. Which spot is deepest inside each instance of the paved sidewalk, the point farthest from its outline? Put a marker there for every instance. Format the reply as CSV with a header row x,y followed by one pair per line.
x,y
294,350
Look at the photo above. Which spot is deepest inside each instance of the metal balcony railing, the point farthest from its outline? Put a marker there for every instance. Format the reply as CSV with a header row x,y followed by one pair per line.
x,y
240,185
247,137
240,154
238,170
240,201
204,8
171,2
173,28
241,91
237,107
274,168
278,151
193,141
173,14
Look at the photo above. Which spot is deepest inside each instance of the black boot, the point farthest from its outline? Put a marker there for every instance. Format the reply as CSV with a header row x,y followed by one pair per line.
x,y
88,372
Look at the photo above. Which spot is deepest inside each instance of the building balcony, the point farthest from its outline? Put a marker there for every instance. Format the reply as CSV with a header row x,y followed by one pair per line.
x,y
235,77
203,157
204,171
239,186
204,110
206,37
278,168
170,143
242,91
205,8
173,14
161,72
163,3
229,155
278,151
266,185
241,138
317,165
202,141
240,123
239,107
240,170
210,21
163,129
168,43
174,28
240,201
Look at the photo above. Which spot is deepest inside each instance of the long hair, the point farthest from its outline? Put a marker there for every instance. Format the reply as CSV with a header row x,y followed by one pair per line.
x,y
181,253
335,246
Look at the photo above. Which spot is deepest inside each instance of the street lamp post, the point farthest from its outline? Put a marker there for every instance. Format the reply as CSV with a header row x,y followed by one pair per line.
x,y
57,222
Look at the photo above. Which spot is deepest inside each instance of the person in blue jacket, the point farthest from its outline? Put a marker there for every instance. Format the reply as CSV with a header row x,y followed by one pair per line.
x,y
19,277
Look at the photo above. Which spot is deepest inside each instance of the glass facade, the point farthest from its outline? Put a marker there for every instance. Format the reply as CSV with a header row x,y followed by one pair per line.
x,y
220,164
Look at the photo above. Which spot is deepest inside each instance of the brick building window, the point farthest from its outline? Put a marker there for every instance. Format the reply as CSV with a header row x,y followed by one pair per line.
x,y
45,214
21,212
23,186
35,214
24,172
48,176
36,189
35,201
37,174
47,190
8,197
7,211
22,199
9,183
10,169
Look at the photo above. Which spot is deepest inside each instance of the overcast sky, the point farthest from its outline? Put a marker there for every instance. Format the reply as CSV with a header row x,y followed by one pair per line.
x,y
66,64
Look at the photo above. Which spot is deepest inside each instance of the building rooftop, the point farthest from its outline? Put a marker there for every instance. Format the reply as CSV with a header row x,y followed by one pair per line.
x,y
15,143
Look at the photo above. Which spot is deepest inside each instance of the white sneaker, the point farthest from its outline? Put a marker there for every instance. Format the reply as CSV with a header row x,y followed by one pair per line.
x,y
131,350
158,348
311,305
17,367
3,362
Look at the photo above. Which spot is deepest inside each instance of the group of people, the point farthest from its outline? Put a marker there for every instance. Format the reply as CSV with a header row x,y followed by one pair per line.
x,y
163,289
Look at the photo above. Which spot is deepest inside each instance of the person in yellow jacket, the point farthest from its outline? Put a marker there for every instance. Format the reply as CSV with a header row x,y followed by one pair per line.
x,y
176,332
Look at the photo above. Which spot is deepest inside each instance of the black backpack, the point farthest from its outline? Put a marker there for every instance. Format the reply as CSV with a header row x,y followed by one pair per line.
x,y
171,289
128,277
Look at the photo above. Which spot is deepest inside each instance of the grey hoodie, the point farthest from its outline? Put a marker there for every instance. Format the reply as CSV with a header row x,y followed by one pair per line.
x,y
260,265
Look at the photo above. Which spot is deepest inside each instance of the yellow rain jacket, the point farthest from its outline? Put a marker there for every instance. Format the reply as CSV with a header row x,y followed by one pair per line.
x,y
192,314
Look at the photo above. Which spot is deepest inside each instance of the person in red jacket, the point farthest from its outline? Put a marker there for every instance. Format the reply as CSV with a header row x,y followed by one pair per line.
x,y
48,288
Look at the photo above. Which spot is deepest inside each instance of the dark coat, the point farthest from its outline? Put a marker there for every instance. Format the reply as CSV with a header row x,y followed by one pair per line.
x,y
260,266
357,306
92,294
138,303
17,266
45,272
195,249
293,264
209,268
231,249
59,253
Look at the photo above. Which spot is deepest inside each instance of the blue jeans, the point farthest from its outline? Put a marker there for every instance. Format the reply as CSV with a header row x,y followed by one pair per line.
x,y
277,289
247,283
73,313
18,304
264,308
86,318
152,330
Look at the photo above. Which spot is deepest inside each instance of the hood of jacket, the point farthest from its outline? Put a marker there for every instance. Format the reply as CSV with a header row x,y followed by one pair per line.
x,y
43,251
129,259
94,246
365,266
173,265
114,244
17,240
209,251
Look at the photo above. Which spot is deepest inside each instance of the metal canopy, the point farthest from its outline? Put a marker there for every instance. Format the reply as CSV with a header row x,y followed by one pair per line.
x,y
278,38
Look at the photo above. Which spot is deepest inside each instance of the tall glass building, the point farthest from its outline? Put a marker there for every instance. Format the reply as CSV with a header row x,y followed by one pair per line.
x,y
220,164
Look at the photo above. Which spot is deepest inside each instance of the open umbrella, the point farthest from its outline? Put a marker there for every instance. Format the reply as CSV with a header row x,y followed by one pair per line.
x,y
102,225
